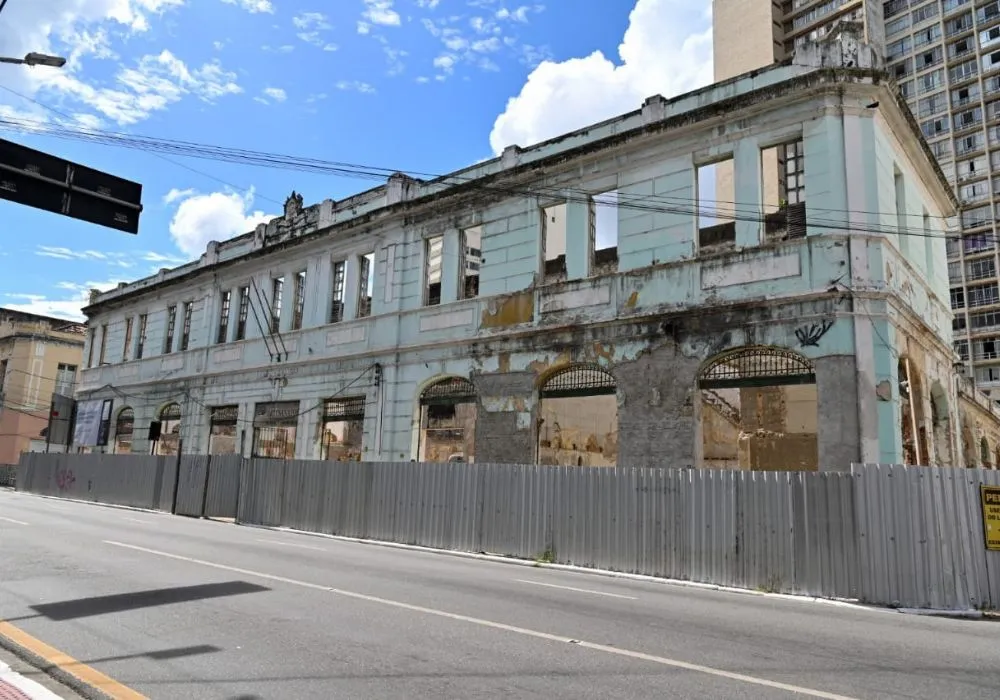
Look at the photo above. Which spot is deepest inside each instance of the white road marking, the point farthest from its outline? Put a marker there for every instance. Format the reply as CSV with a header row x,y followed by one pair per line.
x,y
290,544
11,520
577,590
662,660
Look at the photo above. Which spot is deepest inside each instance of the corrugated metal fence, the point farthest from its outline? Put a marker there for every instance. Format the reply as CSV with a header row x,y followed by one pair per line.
x,y
7,474
890,535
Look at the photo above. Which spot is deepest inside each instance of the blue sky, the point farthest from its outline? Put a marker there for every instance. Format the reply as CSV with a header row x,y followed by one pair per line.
x,y
413,85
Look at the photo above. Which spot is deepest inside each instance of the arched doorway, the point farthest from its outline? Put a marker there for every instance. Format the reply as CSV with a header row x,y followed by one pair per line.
x,y
759,410
124,428
448,421
170,430
578,417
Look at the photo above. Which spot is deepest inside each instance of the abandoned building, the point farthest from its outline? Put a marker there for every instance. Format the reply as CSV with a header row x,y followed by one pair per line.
x,y
596,299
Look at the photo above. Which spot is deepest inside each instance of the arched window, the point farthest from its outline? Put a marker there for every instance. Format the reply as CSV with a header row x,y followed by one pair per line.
x,y
759,410
578,415
124,427
984,452
448,421
170,430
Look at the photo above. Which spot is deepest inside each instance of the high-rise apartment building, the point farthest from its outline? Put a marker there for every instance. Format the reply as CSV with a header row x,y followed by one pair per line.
x,y
945,56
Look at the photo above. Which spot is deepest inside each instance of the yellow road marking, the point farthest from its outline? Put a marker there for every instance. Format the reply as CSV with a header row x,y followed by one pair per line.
x,y
108,686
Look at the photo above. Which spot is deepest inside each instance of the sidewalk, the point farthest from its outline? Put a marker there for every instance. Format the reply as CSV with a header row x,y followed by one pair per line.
x,y
14,686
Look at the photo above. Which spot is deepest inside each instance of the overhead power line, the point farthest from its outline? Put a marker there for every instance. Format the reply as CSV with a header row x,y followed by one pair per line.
x,y
652,203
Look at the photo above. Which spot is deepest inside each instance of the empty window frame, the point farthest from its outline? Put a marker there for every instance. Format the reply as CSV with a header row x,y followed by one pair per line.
x,y
92,340
337,297
299,300
65,379
168,339
277,294
366,282
554,240
783,190
433,259
244,311
127,345
140,345
471,262
604,231
716,216
224,309
104,344
188,309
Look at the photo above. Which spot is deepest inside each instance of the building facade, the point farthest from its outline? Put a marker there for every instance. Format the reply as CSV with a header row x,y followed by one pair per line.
x,y
678,330
39,357
945,57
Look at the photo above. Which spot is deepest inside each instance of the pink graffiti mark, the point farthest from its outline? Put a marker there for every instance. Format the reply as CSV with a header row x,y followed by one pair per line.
x,y
65,479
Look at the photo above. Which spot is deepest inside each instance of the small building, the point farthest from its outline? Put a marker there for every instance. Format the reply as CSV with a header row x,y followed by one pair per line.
x,y
39,356
620,307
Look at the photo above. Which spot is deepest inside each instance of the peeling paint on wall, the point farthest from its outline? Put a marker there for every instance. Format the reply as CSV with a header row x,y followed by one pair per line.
x,y
509,311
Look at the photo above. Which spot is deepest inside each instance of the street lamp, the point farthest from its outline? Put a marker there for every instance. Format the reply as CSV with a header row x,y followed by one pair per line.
x,y
36,59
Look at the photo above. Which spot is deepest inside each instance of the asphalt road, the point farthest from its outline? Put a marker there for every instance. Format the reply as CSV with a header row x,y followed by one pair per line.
x,y
173,607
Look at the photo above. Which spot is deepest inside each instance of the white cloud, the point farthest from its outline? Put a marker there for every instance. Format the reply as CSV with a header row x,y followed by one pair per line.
x,y
253,6
68,306
355,85
311,20
312,25
667,50
174,194
272,94
381,12
217,216
84,32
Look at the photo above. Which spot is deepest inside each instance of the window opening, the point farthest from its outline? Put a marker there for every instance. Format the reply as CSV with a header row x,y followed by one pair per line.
x,y
448,421
343,428
554,242
472,260
716,197
578,423
604,232
433,254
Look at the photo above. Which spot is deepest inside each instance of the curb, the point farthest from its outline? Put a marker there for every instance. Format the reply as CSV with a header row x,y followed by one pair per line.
x,y
514,561
94,503
60,675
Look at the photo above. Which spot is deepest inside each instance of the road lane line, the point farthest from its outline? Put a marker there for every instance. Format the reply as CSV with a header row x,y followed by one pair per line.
x,y
52,656
290,544
137,520
577,590
11,520
662,660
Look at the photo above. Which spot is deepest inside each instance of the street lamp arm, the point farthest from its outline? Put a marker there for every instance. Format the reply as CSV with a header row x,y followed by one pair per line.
x,y
36,59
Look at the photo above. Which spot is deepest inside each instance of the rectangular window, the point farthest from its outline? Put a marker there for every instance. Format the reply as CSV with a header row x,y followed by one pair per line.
x,y
900,188
140,346
127,345
91,342
716,217
186,328
983,295
241,319
342,426
277,292
65,379
366,282
226,302
433,254
957,298
472,260
981,269
783,191
337,300
104,344
168,341
299,300
604,232
926,12
553,230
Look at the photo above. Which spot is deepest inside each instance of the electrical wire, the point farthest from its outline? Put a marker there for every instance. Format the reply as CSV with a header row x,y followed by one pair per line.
x,y
677,205
161,157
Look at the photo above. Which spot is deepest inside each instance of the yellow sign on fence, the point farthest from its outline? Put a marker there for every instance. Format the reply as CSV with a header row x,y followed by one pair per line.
x,y
990,497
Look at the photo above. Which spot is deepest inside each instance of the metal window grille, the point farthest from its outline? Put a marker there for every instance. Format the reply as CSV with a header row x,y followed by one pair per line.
x,y
125,424
352,408
241,322
141,344
171,412
337,304
186,328
299,303
168,345
579,380
223,334
224,415
757,366
453,390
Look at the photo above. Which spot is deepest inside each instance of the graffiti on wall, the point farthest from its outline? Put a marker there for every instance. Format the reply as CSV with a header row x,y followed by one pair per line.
x,y
809,336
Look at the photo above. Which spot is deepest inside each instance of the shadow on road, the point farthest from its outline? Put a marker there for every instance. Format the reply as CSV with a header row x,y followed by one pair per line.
x,y
123,602
163,654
